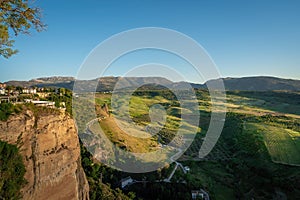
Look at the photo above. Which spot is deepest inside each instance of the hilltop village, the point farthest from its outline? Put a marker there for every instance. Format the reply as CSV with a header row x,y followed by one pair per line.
x,y
49,97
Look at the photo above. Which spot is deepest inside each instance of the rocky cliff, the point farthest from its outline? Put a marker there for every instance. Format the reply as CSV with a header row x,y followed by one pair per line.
x,y
51,154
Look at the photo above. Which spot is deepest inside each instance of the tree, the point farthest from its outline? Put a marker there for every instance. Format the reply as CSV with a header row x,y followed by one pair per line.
x,y
19,89
12,171
17,16
9,89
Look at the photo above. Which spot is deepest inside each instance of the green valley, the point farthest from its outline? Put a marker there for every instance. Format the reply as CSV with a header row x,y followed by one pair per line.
x,y
256,156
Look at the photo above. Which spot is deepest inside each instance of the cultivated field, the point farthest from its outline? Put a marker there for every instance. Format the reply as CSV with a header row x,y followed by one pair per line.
x,y
283,144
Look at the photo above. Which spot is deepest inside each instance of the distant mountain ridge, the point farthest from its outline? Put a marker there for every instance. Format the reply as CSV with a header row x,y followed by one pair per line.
x,y
260,83
255,83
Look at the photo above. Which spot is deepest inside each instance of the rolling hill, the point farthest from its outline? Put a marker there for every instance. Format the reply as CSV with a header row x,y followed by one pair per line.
x,y
255,83
261,83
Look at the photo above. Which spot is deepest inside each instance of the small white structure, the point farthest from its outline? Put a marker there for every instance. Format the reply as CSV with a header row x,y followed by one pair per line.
x,y
41,103
4,99
2,91
186,168
197,194
126,181
200,194
62,104
29,91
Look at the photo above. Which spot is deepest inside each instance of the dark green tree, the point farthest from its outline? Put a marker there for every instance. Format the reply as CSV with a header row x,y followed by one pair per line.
x,y
12,171
17,16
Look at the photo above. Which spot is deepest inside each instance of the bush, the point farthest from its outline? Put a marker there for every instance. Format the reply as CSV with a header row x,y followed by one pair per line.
x,y
6,109
12,171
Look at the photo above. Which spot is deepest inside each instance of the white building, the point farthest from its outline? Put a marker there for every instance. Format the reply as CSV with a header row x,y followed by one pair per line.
x,y
2,91
186,168
197,194
29,91
200,194
126,181
41,103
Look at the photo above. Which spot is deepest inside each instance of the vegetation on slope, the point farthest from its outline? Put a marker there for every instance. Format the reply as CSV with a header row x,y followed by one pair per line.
x,y
6,109
257,132
12,171
283,144
279,101
101,178
240,165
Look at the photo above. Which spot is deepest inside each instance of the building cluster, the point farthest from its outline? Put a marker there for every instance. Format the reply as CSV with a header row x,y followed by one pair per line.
x,y
2,88
14,92
11,90
29,90
32,95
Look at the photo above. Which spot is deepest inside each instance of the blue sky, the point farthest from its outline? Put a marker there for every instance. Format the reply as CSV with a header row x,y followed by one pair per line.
x,y
244,38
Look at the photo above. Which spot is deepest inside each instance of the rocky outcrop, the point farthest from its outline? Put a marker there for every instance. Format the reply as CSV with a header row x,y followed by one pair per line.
x,y
51,154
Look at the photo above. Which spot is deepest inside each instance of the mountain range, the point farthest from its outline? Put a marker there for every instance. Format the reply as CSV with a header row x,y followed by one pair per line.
x,y
255,83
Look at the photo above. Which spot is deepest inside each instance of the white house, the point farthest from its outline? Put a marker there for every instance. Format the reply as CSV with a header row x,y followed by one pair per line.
x,y
2,91
25,90
187,168
29,91
200,194
197,194
41,103
126,181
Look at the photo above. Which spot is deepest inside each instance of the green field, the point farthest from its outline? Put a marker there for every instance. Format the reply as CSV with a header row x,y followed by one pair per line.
x,y
283,144
256,156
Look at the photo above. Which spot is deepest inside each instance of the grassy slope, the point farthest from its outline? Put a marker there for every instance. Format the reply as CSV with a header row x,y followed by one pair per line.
x,y
277,101
139,112
122,139
241,169
283,144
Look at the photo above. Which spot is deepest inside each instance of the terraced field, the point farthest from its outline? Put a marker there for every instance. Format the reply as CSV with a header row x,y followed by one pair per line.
x,y
283,144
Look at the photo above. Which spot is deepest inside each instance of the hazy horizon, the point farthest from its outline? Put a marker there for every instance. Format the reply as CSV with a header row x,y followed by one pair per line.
x,y
66,76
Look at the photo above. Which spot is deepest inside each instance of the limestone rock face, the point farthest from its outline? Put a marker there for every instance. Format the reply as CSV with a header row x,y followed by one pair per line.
x,y
51,155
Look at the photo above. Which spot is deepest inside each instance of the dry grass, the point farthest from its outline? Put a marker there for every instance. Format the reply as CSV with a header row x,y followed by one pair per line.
x,y
126,139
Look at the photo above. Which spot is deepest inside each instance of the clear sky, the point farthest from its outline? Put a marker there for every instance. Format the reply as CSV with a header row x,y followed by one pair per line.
x,y
244,38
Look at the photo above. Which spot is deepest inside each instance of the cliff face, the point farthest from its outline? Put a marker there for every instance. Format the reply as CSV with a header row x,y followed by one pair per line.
x,y
51,155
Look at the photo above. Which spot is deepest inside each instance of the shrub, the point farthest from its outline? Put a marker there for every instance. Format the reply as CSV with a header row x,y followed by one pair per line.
x,y
12,171
6,109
